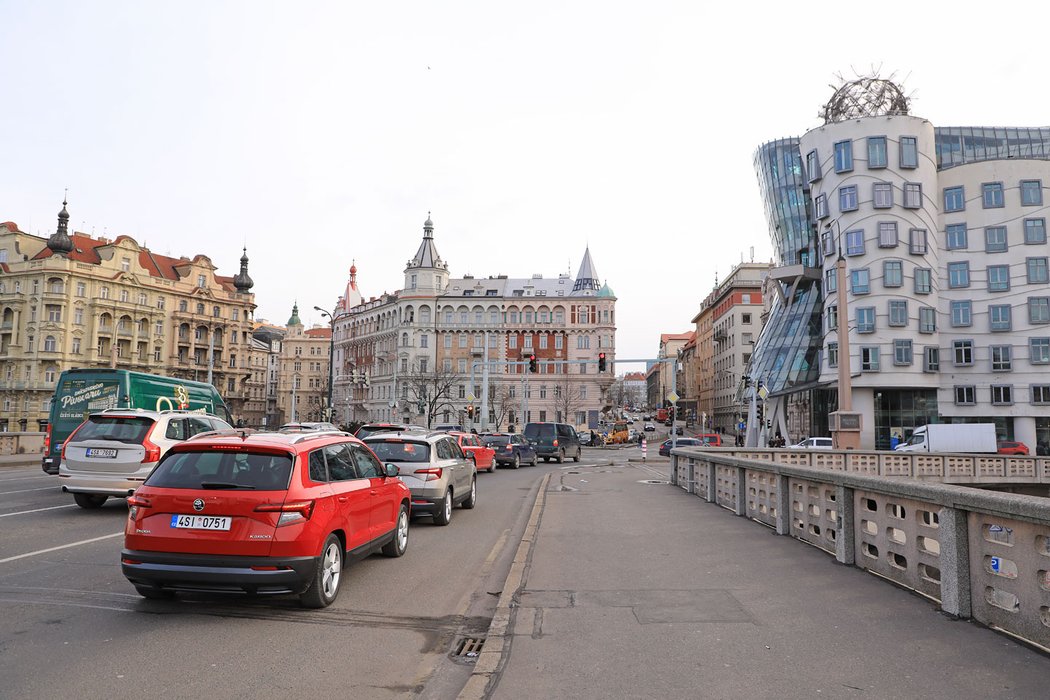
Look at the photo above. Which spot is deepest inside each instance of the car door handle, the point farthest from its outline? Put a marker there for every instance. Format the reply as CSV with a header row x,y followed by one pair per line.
x,y
343,499
373,493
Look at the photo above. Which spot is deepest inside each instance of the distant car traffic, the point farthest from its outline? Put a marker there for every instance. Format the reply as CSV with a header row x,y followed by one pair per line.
x,y
1012,447
484,456
511,450
814,443
649,428
264,514
665,446
557,441
370,429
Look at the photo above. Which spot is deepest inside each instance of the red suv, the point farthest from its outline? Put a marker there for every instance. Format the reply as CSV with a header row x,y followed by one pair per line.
x,y
263,514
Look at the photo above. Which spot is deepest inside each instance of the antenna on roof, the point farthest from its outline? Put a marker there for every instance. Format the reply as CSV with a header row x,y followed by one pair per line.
x,y
752,253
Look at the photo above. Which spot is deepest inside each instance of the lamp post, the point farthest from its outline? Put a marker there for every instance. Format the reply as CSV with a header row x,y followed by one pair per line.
x,y
845,424
331,358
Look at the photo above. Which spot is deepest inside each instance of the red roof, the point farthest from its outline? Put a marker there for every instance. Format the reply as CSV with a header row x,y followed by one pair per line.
x,y
319,332
664,337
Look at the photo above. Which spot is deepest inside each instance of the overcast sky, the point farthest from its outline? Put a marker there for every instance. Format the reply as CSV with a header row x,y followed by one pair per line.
x,y
319,133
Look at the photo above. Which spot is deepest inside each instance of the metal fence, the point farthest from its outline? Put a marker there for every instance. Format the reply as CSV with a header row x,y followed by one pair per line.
x,y
980,554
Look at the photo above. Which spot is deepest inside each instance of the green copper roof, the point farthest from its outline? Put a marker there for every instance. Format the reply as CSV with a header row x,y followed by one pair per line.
x,y
293,320
606,291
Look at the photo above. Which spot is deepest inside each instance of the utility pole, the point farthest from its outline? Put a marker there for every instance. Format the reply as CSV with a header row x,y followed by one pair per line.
x,y
331,357
485,386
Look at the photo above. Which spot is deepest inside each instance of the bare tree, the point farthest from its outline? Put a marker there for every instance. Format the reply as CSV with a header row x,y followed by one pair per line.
x,y
567,398
430,391
501,403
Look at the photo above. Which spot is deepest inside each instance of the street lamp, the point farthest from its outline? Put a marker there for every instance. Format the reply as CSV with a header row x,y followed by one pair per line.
x,y
331,358
845,423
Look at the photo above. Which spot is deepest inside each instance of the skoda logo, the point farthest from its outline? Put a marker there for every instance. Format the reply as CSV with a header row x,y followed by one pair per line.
x,y
198,504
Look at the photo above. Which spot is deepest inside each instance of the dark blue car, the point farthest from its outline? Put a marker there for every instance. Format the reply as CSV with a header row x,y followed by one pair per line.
x,y
512,450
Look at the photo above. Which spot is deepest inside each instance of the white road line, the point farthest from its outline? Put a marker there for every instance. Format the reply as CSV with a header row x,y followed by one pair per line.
x,y
37,510
27,478
43,488
61,546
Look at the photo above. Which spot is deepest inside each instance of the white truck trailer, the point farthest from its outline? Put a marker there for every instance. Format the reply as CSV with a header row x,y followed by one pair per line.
x,y
952,437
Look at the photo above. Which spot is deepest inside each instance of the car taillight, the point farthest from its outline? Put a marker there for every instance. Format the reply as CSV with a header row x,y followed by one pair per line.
x,y
47,440
510,448
135,503
555,442
291,512
430,474
152,450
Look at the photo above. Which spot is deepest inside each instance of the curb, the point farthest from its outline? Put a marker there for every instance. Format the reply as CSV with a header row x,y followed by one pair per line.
x,y
491,659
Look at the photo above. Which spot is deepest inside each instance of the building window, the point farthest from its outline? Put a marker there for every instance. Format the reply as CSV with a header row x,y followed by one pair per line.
x,y
1001,358
887,234
463,340
125,264
1034,231
543,341
963,352
866,319
558,342
855,242
1031,193
965,395
931,359
1002,394
992,195
892,273
999,317
54,313
124,295
917,244
833,354
158,328
860,281
927,319
820,204
958,275
831,280
961,313
49,344
461,366
898,313
912,195
998,278
745,319
583,342
848,198
78,317
512,341
882,195
1041,393
827,244
909,152
869,359
923,280
812,166
955,235
954,199
1039,309
76,346
995,239
831,317
103,293
424,340
902,352
81,289
843,156
1039,351
876,151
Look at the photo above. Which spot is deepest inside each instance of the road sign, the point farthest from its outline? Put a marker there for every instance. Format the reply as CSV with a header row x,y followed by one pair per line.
x,y
673,397
470,398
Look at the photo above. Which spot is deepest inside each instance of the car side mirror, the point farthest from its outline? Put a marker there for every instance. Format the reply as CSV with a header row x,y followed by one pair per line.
x,y
391,469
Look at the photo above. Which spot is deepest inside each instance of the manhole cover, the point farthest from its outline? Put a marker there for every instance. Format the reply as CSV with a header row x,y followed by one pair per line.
x,y
653,481
469,648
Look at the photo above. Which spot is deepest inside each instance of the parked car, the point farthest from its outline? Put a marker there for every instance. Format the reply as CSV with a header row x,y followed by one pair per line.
x,y
553,441
512,450
369,429
263,514
584,436
447,427
814,443
310,426
1012,447
710,439
112,452
665,446
649,428
433,467
484,456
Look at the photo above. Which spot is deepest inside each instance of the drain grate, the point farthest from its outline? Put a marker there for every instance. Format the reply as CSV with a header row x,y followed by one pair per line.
x,y
469,647
653,481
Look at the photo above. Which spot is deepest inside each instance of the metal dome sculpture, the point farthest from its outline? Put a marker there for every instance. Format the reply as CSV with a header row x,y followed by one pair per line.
x,y
865,97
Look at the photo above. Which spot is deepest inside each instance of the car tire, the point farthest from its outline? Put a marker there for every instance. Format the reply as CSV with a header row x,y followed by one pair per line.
x,y
561,456
325,585
535,460
154,593
443,515
472,499
577,457
517,461
397,546
89,501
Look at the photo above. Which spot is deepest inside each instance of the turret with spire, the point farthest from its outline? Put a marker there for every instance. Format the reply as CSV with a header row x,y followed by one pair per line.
x,y
293,320
587,282
241,280
426,272
60,243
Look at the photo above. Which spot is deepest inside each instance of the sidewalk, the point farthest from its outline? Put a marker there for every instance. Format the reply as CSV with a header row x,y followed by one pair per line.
x,y
638,590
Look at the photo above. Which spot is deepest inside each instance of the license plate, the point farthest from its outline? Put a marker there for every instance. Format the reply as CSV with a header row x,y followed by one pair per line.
x,y
201,522
101,452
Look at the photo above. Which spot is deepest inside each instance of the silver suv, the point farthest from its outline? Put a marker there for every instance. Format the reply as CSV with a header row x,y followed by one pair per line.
x,y
113,451
433,467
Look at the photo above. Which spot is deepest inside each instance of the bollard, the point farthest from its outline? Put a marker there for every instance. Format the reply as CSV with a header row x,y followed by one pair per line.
x,y
644,447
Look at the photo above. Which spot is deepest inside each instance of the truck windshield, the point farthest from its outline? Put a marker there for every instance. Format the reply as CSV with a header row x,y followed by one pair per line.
x,y
917,439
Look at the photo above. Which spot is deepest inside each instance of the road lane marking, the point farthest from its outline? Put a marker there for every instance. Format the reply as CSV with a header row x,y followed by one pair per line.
x,y
27,478
61,546
37,510
42,488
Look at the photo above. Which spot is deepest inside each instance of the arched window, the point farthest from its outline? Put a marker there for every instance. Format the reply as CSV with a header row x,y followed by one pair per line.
x,y
200,308
404,339
49,344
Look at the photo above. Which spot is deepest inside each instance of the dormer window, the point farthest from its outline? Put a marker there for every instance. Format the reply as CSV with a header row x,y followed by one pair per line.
x,y
125,264
202,281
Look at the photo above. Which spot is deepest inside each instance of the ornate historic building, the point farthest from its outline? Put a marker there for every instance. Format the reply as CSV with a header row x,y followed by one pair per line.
x,y
421,353
302,372
72,300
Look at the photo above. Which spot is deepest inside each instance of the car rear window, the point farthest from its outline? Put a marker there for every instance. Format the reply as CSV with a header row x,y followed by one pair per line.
x,y
538,430
400,450
222,470
131,430
496,440
366,430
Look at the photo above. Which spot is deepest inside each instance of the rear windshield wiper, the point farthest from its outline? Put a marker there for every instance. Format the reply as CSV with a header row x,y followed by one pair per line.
x,y
223,485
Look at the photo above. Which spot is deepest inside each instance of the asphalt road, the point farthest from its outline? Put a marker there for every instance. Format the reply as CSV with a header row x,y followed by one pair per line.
x,y
72,626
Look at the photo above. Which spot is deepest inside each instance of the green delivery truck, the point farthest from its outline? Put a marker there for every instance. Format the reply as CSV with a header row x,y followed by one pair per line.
x,y
81,392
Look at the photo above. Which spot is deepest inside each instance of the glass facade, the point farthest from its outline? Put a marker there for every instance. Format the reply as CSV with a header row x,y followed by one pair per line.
x,y
958,145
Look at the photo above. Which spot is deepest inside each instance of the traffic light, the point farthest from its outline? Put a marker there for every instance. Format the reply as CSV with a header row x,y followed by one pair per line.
x,y
470,412
532,364
601,362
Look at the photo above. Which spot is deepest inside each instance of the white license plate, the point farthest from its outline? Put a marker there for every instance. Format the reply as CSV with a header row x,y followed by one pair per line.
x,y
101,452
201,522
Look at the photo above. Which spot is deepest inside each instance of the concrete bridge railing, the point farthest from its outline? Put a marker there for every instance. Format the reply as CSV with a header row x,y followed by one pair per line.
x,y
979,554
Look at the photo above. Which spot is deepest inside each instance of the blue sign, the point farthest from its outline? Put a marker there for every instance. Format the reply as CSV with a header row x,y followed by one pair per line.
x,y
996,563
741,425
